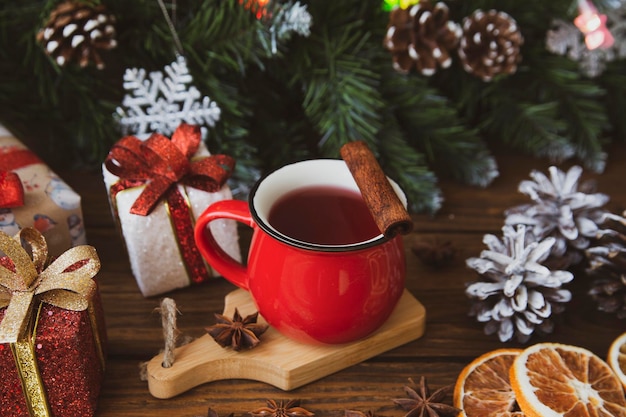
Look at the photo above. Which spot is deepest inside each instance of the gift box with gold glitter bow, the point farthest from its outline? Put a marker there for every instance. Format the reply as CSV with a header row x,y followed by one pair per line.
x,y
32,195
52,333
157,188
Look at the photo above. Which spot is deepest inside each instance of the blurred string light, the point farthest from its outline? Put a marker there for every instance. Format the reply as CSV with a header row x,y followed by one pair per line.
x,y
258,7
593,25
389,5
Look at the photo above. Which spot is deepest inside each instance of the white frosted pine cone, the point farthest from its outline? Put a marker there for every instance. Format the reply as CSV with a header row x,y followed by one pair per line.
x,y
562,208
516,293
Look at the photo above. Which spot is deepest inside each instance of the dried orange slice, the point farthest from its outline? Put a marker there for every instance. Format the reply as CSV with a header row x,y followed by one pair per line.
x,y
557,380
617,358
483,389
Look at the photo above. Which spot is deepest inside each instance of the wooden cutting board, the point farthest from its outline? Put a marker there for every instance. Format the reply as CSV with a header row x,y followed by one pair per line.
x,y
277,360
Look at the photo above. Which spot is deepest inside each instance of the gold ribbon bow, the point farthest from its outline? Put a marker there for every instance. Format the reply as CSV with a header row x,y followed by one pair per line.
x,y
66,283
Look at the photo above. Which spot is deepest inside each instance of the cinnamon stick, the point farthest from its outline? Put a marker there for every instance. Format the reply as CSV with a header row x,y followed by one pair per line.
x,y
388,211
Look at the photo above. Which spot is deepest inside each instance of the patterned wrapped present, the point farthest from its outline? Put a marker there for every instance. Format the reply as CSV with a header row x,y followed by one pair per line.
x,y
52,333
157,188
40,199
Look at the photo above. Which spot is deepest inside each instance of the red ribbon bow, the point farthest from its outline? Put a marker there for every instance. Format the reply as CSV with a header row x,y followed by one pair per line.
x,y
11,190
160,164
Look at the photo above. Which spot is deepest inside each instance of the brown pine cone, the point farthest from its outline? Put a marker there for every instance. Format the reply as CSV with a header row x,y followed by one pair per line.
x,y
490,44
607,266
421,37
75,32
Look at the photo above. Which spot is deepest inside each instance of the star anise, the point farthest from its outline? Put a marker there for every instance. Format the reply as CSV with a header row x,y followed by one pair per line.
x,y
280,409
435,253
237,333
421,404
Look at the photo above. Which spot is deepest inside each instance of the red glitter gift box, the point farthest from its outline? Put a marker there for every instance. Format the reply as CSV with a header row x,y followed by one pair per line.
x,y
52,333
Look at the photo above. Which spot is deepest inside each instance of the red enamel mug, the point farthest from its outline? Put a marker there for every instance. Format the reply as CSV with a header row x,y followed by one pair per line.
x,y
309,292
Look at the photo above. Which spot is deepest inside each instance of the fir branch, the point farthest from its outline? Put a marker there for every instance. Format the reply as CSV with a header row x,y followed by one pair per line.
x,y
580,105
226,36
432,125
614,82
336,84
541,110
530,127
587,121
408,167
282,133
511,110
335,70
230,135
341,97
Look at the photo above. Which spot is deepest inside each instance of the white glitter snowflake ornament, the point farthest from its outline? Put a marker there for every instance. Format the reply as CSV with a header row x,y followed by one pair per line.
x,y
517,294
288,19
564,38
561,209
292,17
161,101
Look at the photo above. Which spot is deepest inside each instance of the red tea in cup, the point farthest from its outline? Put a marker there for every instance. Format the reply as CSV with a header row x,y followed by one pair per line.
x,y
325,215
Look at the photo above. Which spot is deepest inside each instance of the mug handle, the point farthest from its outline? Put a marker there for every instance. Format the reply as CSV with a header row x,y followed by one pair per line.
x,y
222,262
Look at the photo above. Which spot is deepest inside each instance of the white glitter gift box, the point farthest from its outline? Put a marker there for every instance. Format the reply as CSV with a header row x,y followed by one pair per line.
x,y
48,204
157,188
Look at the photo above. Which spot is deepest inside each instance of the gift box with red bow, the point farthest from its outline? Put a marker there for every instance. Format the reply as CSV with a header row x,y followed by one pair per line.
x,y
52,333
32,195
157,188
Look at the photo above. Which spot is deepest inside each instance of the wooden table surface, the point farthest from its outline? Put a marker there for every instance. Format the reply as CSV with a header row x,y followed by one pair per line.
x,y
451,340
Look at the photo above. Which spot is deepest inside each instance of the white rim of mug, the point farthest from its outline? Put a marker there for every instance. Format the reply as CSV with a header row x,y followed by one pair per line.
x,y
262,222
